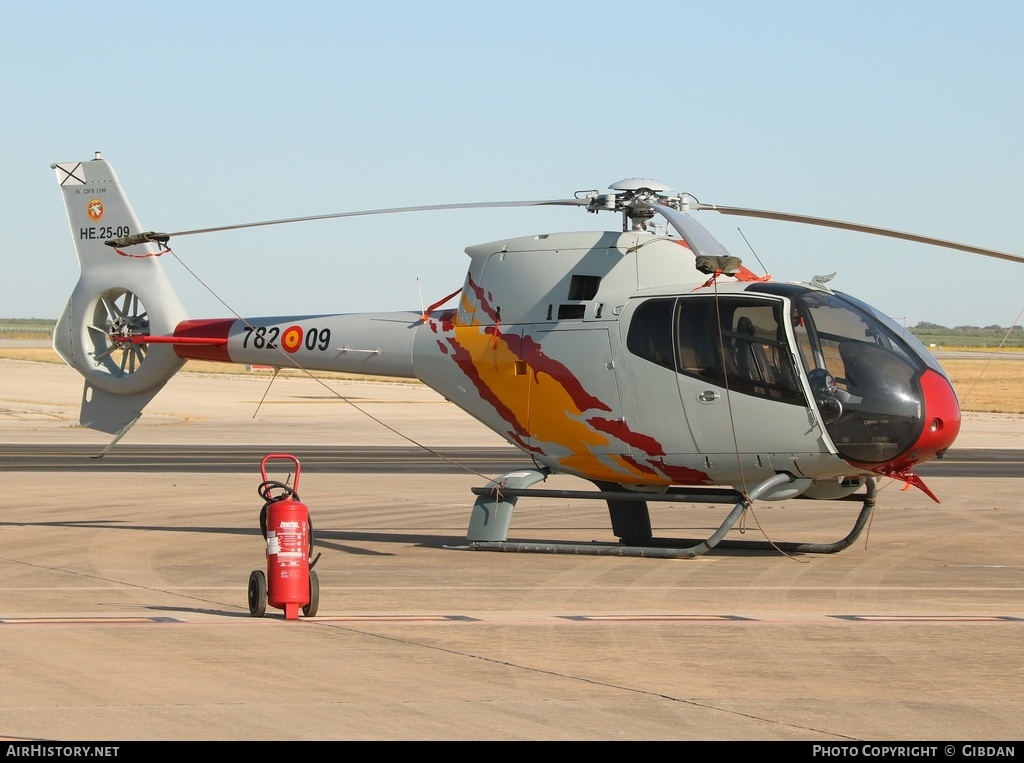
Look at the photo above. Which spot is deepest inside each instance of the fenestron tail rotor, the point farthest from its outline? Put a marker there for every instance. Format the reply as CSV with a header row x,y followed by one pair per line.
x,y
118,318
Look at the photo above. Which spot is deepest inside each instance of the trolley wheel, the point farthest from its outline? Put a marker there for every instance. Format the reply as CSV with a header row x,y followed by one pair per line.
x,y
257,593
314,595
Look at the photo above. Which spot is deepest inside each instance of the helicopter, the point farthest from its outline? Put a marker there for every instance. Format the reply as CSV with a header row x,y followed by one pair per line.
x,y
650,363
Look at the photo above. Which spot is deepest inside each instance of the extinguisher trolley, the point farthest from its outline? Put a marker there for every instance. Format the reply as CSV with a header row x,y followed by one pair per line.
x,y
290,583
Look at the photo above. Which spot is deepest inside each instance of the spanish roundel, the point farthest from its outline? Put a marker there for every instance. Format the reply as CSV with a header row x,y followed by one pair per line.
x,y
291,339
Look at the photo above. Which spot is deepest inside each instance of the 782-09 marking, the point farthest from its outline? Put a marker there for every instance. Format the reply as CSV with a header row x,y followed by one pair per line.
x,y
293,338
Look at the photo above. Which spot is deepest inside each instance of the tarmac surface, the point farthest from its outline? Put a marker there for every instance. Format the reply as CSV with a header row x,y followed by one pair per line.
x,y
123,611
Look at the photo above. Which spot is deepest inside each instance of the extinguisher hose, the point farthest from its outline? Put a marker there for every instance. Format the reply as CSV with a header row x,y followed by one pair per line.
x,y
266,493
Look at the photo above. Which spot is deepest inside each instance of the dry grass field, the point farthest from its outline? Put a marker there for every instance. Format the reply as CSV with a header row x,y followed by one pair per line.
x,y
990,385
984,384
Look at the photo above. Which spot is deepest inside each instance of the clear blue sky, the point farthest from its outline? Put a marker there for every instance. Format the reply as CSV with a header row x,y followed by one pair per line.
x,y
906,115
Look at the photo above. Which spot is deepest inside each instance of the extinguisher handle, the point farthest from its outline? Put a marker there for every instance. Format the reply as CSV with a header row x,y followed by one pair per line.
x,y
284,456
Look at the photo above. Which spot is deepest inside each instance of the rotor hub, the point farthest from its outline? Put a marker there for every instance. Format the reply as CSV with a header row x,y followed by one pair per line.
x,y
634,198
119,317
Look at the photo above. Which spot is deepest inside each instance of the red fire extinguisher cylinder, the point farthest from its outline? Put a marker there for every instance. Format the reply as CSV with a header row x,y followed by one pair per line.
x,y
289,583
288,556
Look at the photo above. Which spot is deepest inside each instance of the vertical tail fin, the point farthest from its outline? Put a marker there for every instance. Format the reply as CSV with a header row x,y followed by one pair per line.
x,y
122,296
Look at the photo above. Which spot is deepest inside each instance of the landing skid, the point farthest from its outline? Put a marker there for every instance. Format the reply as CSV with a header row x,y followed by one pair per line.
x,y
492,516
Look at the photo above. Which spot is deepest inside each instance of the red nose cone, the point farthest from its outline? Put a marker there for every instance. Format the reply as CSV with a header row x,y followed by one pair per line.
x,y
941,414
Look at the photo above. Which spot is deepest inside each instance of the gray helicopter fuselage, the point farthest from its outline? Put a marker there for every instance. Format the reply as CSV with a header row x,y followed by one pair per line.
x,y
542,334
608,355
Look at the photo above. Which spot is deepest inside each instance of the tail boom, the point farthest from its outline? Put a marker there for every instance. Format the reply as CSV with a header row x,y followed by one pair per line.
x,y
378,344
126,332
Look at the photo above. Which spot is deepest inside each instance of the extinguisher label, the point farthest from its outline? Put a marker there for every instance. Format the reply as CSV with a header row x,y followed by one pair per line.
x,y
292,538
273,544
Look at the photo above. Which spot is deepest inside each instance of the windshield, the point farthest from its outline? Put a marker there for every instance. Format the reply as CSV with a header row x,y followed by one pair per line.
x,y
865,379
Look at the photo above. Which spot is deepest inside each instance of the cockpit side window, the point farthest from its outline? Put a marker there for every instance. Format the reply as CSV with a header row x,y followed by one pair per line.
x,y
737,343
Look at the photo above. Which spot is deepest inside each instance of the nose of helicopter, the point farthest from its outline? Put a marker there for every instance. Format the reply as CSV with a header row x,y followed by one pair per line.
x,y
941,424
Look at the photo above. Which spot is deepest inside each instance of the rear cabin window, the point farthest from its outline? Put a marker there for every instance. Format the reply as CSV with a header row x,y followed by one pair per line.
x,y
650,333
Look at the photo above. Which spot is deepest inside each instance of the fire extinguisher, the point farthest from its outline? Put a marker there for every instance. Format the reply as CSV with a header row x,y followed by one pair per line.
x,y
290,581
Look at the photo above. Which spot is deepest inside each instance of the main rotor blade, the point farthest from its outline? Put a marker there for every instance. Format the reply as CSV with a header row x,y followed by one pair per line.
x,y
786,217
390,211
696,236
